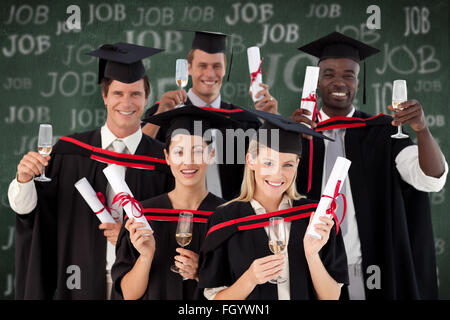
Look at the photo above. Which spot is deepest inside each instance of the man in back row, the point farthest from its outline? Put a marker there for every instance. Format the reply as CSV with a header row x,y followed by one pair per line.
x,y
207,68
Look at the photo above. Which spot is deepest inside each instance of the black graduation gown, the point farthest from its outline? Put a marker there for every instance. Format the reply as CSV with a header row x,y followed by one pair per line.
x,y
60,240
393,218
163,284
231,175
223,265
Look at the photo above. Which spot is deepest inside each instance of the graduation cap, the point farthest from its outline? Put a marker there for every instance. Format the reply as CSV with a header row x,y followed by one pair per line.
x,y
122,61
338,45
185,118
211,42
290,132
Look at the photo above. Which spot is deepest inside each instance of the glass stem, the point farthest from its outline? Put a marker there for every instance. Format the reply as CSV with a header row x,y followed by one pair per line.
x,y
43,172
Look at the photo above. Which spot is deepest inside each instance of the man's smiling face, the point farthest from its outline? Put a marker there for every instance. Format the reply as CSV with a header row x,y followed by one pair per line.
x,y
338,83
125,104
207,71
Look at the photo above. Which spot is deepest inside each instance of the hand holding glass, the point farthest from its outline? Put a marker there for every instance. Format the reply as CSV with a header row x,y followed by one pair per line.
x,y
277,241
399,95
181,75
183,234
44,147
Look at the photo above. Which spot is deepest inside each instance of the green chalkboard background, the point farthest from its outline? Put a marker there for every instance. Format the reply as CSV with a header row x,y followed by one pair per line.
x,y
45,76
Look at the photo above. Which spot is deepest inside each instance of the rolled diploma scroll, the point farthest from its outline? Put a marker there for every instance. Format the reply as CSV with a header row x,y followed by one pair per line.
x,y
309,87
90,196
339,172
254,60
119,185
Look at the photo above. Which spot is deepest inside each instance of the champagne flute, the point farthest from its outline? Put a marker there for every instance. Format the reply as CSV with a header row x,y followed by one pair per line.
x,y
44,147
399,95
277,241
181,75
183,235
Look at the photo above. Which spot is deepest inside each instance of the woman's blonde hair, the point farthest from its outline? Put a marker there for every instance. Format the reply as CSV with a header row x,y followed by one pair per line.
x,y
248,182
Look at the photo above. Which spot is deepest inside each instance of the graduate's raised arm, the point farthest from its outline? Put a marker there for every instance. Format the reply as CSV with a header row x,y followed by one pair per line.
x,y
431,159
22,193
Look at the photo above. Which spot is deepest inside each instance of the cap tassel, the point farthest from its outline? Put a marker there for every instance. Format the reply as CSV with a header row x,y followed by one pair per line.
x,y
231,62
364,84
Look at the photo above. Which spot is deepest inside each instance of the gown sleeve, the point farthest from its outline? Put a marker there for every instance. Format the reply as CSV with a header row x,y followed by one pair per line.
x,y
214,270
36,240
334,257
126,256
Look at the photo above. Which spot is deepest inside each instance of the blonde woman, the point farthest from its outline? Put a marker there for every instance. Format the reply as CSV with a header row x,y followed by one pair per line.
x,y
235,260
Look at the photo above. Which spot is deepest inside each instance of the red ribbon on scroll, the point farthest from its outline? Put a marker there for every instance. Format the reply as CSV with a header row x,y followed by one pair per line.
x,y
331,210
124,198
102,199
253,75
312,97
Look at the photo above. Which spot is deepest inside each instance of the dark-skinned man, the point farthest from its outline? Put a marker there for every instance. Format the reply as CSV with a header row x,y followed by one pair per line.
x,y
207,68
387,228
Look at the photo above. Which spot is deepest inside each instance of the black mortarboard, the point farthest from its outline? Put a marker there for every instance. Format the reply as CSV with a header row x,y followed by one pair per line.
x,y
338,45
290,132
122,61
212,42
185,118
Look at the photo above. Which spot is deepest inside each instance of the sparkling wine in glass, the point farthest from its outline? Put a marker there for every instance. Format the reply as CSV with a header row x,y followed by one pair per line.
x,y
277,241
399,95
44,147
181,75
183,234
